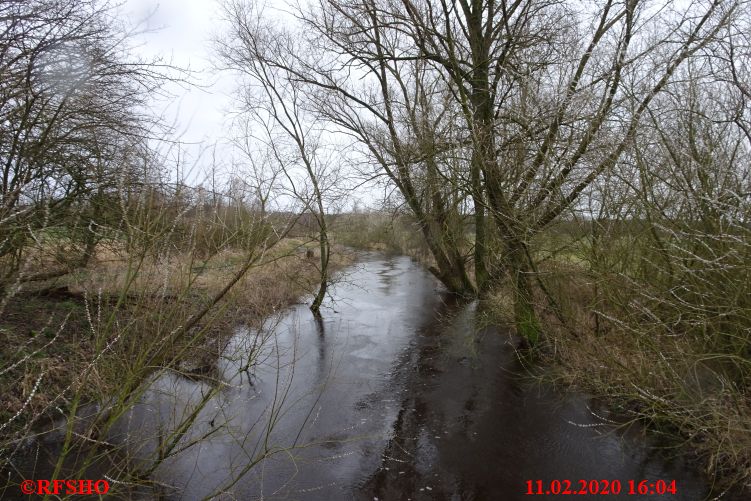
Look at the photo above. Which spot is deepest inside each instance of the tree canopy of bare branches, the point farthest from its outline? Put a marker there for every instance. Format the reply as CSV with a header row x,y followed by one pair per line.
x,y
505,112
73,123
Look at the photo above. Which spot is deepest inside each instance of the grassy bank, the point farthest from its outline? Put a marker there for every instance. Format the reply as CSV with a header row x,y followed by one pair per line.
x,y
601,339
682,393
693,396
98,333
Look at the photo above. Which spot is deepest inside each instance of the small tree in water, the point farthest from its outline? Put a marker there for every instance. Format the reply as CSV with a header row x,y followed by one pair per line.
x,y
273,98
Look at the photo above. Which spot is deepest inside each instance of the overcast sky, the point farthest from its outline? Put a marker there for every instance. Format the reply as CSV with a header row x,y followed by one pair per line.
x,y
180,31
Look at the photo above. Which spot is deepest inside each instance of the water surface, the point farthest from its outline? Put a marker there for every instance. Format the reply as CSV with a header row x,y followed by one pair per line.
x,y
395,394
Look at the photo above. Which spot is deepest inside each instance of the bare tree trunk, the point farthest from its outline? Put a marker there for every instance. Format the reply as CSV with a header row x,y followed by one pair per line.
x,y
525,317
324,248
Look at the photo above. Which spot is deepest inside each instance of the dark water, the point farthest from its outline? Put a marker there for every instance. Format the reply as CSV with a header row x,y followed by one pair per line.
x,y
396,394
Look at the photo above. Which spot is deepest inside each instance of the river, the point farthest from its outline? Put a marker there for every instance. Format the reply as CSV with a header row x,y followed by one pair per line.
x,y
396,394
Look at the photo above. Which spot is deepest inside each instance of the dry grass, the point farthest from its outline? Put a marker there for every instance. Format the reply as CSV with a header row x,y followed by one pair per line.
x,y
121,312
666,383
698,401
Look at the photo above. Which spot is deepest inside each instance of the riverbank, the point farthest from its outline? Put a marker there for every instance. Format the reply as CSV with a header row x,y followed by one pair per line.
x,y
99,333
688,398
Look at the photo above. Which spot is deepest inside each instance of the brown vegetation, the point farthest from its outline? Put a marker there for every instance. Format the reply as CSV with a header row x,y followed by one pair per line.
x,y
55,324
584,171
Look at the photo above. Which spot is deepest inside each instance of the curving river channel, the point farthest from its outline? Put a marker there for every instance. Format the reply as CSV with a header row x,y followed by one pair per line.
x,y
395,395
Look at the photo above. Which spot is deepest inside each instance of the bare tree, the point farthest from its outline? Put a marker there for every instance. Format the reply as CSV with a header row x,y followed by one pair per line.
x,y
71,115
254,49
544,115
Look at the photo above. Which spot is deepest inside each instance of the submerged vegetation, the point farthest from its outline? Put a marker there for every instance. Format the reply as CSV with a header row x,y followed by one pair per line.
x,y
584,171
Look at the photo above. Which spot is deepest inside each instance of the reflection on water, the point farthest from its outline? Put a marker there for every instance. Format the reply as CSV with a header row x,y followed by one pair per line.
x,y
394,394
